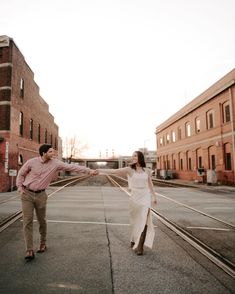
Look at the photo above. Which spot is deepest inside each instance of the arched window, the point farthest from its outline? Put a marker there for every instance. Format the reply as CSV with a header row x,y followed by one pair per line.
x,y
227,156
179,133
188,129
167,138
226,112
189,160
210,119
173,137
197,125
199,158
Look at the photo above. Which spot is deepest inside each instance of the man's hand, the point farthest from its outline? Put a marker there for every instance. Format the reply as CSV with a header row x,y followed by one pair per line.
x,y
20,190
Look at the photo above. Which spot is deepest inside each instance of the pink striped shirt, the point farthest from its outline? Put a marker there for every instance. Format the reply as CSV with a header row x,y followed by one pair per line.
x,y
36,174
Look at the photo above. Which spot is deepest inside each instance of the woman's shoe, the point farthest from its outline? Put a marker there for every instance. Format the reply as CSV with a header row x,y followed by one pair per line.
x,y
140,252
42,248
29,255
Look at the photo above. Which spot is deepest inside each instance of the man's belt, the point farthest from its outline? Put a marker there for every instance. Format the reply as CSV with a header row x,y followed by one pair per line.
x,y
38,191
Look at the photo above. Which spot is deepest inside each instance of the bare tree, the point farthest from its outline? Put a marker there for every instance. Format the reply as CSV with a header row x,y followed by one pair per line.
x,y
73,148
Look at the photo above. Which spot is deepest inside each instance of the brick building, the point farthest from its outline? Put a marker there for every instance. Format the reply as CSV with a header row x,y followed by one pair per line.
x,y
25,120
198,142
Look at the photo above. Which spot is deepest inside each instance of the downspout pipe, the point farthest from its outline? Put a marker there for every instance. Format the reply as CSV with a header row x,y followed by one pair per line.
x,y
232,130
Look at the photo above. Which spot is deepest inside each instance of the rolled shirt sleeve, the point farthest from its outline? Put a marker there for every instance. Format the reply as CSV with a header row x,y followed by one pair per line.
x,y
72,167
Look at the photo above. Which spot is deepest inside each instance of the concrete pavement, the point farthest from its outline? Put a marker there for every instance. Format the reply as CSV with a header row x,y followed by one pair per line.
x,y
88,240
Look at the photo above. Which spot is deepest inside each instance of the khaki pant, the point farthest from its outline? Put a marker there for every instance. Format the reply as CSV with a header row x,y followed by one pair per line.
x,y
31,201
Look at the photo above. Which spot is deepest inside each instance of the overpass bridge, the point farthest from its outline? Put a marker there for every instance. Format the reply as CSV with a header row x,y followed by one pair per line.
x,y
95,163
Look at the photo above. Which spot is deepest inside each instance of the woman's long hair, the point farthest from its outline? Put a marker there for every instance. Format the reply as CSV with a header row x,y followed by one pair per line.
x,y
141,160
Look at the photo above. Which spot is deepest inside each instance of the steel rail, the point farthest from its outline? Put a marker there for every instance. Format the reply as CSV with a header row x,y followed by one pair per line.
x,y
222,262
7,200
198,211
190,208
17,215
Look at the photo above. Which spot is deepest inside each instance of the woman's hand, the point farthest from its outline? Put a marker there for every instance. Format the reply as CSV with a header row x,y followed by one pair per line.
x,y
154,199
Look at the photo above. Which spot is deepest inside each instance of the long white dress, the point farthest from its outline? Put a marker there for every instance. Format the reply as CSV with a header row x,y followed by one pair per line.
x,y
140,203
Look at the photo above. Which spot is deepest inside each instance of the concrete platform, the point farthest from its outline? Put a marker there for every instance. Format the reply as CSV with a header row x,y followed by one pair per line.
x,y
88,252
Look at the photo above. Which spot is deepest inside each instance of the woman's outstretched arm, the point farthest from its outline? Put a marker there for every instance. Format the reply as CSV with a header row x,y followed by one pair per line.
x,y
124,171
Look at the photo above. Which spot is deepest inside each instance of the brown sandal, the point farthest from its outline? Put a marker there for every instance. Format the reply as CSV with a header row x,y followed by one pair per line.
x,y
42,248
29,255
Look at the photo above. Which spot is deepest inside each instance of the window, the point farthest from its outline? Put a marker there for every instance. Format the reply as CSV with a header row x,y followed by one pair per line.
x,y
51,140
181,164
174,164
45,136
21,88
226,112
20,159
167,139
188,130
210,119
168,164
228,165
31,129
179,134
199,162
198,125
227,156
190,163
161,141
39,133
173,137
213,161
21,123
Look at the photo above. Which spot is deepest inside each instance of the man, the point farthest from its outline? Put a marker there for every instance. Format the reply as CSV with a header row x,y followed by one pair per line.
x,y
32,180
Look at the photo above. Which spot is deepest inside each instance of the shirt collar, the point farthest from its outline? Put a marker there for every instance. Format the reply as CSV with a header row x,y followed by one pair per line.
x,y
41,160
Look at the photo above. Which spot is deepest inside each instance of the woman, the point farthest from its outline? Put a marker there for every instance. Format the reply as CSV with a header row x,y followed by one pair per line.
x,y
140,183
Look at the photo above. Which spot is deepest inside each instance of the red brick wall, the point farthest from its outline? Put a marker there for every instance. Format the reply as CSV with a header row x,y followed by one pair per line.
x,y
207,142
31,105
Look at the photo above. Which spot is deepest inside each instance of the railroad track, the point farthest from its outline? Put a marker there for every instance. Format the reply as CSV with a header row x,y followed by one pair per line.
x,y
6,222
216,257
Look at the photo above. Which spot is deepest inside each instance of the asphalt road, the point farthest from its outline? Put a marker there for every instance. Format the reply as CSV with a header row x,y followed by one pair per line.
x,y
88,252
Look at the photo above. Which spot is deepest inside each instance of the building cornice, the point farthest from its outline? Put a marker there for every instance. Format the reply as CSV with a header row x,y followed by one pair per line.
x,y
219,87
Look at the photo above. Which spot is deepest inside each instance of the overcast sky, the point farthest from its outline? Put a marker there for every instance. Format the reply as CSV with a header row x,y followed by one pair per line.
x,y
112,71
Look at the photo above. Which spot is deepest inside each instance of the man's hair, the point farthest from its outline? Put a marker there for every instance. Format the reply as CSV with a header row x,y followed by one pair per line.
x,y
44,148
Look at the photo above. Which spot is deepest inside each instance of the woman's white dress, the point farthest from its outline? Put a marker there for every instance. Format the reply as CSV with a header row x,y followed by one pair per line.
x,y
140,203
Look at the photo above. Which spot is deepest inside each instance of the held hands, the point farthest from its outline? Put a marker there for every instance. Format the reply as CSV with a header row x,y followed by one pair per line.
x,y
93,172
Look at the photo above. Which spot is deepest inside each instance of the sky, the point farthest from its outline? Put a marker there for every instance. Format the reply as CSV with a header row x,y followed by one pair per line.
x,y
113,70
